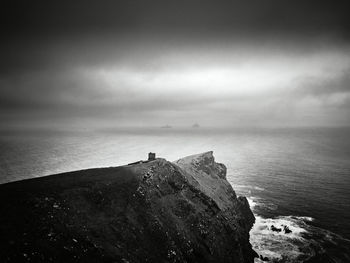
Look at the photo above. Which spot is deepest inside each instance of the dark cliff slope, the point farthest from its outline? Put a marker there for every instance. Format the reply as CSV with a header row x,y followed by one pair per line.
x,y
158,211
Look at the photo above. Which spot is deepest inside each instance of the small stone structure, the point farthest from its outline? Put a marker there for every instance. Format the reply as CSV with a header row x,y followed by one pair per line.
x,y
151,156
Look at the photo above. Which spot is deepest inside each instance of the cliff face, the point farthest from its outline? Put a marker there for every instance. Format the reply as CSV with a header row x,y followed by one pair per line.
x,y
158,211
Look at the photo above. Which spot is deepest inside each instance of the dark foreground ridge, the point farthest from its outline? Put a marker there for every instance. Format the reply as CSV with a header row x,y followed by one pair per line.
x,y
157,211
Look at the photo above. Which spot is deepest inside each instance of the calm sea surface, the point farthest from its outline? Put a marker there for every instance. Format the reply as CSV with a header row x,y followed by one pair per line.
x,y
298,178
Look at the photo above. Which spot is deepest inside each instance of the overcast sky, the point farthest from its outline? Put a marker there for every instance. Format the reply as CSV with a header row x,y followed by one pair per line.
x,y
88,64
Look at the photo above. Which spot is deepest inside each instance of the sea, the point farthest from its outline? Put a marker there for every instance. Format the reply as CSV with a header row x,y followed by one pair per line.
x,y
297,178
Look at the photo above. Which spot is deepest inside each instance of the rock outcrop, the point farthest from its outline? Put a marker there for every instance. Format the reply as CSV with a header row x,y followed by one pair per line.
x,y
158,211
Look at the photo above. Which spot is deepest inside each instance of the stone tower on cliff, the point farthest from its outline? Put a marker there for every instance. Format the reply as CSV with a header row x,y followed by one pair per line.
x,y
151,156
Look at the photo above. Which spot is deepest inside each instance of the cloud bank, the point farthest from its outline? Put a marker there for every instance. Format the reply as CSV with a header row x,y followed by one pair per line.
x,y
132,64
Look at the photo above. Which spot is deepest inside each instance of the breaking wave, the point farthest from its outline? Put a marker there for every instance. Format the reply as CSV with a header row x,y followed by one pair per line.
x,y
294,239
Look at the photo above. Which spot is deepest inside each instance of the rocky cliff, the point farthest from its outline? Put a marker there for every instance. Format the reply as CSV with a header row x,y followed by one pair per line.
x,y
157,211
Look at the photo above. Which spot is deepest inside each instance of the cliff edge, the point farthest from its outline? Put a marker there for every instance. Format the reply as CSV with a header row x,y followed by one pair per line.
x,y
157,211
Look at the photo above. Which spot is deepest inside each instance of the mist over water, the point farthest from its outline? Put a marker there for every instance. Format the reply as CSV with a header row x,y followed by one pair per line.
x,y
295,177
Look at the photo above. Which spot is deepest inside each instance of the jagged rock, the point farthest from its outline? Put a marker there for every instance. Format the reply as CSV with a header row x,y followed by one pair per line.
x,y
286,230
275,229
158,211
264,258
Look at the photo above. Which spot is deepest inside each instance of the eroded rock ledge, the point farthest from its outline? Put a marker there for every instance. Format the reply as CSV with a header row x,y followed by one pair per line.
x,y
159,211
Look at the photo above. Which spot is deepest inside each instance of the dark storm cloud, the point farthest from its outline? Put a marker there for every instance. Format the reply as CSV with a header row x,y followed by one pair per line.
x,y
128,60
30,28
70,16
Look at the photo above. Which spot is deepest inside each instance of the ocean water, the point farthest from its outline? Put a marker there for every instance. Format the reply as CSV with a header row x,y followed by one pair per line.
x,y
294,177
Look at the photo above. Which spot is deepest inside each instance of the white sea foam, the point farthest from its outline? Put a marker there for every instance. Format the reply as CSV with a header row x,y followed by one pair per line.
x,y
252,202
256,202
303,242
279,245
305,218
238,185
243,186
